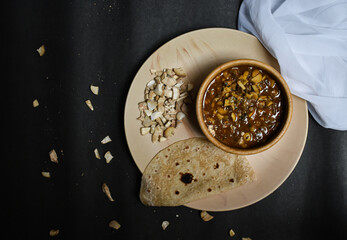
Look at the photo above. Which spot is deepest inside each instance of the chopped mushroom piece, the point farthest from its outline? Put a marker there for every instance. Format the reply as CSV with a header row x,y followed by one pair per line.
x,y
205,216
145,130
108,156
46,174
179,72
165,224
114,224
162,139
94,89
231,233
89,104
53,156
41,50
96,152
165,97
107,139
53,232
35,103
106,190
180,115
169,132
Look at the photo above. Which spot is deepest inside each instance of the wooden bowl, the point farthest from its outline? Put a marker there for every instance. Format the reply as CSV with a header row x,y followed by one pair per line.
x,y
286,98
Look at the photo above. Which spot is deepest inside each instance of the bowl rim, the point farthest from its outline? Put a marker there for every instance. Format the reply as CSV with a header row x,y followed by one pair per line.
x,y
277,77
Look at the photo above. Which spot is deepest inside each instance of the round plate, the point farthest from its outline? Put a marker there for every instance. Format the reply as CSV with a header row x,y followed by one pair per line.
x,y
199,52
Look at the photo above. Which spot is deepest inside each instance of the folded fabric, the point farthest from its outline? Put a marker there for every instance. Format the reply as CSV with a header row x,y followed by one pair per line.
x,y
309,40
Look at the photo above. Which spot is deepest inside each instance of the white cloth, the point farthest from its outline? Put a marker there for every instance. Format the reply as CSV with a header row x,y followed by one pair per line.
x,y
309,40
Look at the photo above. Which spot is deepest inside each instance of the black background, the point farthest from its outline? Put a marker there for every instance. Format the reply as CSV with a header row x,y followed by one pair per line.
x,y
104,43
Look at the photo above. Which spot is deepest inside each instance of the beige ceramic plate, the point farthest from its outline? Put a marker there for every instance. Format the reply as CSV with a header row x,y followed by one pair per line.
x,y
199,52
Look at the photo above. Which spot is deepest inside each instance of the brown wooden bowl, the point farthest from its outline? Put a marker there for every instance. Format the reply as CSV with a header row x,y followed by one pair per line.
x,y
287,106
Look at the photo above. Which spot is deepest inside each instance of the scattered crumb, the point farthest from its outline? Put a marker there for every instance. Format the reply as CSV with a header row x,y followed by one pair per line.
x,y
41,50
231,233
107,139
108,156
53,156
53,232
89,104
96,152
165,224
46,174
114,224
94,89
106,190
35,103
205,216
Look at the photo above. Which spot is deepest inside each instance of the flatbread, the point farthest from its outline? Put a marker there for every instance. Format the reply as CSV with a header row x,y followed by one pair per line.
x,y
192,169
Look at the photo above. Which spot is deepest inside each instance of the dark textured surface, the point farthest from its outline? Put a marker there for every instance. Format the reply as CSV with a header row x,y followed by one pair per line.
x,y
104,43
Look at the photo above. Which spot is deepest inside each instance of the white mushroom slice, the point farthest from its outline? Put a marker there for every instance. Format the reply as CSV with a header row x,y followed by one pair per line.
x,y
159,89
190,87
168,93
157,79
158,120
163,119
163,76
148,112
108,156
162,139
183,95
156,115
145,130
169,81
35,103
179,72
94,89
179,83
158,130
151,84
142,106
176,93
106,139
170,72
89,104
152,129
151,104
147,122
155,138
97,154
151,95
180,115
167,124
169,132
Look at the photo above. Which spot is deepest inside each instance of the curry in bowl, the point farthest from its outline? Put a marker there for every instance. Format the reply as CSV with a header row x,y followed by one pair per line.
x,y
244,106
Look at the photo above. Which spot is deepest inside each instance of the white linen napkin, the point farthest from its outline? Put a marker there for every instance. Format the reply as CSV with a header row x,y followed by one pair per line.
x,y
309,40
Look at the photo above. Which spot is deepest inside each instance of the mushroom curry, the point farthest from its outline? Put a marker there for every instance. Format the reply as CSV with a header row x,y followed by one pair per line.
x,y
242,107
